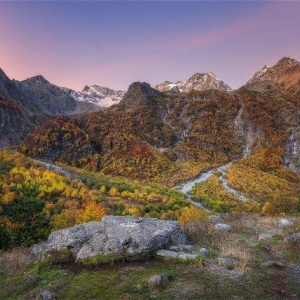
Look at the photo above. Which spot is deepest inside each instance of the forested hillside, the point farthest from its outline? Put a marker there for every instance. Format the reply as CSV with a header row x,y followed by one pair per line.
x,y
34,200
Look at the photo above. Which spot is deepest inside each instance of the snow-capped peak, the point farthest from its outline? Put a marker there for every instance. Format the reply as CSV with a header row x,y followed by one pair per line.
x,y
198,81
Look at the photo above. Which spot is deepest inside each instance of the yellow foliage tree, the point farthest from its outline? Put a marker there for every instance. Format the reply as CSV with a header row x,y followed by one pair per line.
x,y
9,198
113,192
191,214
92,212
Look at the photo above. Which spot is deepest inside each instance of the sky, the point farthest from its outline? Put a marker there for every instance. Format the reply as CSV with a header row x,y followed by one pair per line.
x,y
114,43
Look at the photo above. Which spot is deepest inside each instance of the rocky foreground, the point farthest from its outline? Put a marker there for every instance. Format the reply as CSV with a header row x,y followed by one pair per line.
x,y
233,256
114,235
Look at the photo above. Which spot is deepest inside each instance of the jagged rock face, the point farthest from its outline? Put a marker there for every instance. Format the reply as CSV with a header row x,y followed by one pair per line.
x,y
139,93
198,82
100,96
53,99
292,149
128,236
286,71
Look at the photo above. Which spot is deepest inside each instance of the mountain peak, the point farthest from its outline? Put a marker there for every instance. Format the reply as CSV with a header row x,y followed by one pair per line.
x,y
285,67
37,79
139,93
202,76
287,61
85,89
198,82
3,76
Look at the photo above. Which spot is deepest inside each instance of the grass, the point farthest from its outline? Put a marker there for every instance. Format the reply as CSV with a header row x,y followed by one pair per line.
x,y
128,281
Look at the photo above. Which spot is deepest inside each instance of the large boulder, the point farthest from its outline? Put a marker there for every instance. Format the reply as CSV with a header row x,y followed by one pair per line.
x,y
128,236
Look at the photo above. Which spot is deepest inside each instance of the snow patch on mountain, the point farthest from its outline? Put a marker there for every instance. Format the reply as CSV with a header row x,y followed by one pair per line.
x,y
100,96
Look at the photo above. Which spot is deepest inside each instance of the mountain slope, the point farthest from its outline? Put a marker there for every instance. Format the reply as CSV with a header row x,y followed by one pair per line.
x,y
149,134
27,104
15,124
198,82
19,113
53,99
285,72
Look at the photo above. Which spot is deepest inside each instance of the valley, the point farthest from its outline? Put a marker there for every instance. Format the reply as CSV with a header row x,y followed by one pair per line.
x,y
222,163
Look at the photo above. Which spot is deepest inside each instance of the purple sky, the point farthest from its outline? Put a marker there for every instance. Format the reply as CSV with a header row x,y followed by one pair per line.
x,y
115,43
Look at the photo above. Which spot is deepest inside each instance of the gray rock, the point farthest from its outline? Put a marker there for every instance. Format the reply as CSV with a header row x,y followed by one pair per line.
x,y
167,253
273,263
265,236
295,237
48,295
188,256
30,279
224,227
188,247
216,219
227,262
283,223
176,248
157,280
203,251
294,273
128,236
182,248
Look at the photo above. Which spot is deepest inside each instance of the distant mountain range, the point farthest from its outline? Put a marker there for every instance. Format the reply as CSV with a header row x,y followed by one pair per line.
x,y
36,99
152,131
199,120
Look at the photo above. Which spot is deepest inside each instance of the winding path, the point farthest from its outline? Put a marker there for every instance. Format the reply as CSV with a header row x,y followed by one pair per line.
x,y
57,169
185,188
188,185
